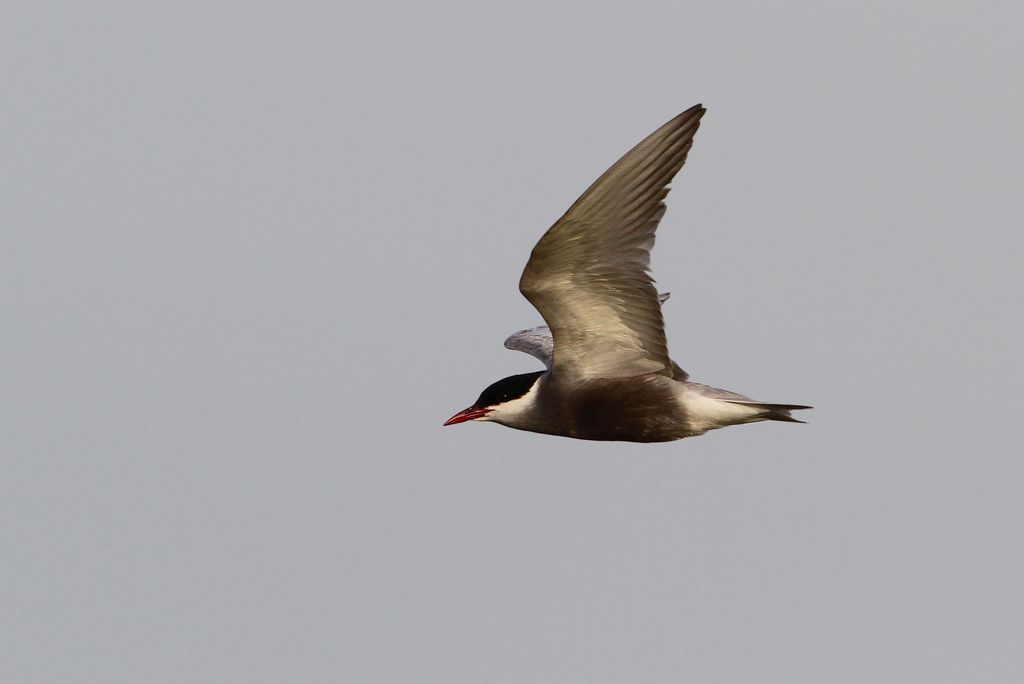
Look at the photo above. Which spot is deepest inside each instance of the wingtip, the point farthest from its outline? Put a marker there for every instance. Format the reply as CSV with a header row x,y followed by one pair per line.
x,y
689,117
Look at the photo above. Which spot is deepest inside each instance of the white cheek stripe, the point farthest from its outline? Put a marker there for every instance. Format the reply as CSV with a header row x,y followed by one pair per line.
x,y
510,411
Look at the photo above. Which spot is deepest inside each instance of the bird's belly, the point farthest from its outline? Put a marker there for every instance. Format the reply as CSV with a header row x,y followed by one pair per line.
x,y
641,409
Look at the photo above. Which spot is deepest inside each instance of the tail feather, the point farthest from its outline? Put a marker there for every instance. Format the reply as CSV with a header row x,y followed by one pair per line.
x,y
773,411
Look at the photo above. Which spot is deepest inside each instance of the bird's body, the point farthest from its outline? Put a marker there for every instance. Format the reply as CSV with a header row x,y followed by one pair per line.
x,y
641,408
609,376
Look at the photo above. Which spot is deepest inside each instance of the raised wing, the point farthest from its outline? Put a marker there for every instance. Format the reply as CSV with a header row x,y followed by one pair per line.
x,y
588,275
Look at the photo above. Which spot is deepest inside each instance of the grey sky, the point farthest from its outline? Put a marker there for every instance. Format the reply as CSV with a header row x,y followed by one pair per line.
x,y
253,255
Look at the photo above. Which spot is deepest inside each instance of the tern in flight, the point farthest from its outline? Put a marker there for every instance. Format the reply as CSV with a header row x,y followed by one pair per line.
x,y
608,373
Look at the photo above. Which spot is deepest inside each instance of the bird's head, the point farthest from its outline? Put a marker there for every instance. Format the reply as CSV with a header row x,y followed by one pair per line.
x,y
503,401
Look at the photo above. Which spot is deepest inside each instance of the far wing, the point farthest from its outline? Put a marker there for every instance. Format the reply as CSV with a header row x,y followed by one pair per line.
x,y
534,341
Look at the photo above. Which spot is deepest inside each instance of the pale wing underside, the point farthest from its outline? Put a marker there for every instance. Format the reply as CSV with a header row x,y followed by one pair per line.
x,y
588,276
536,342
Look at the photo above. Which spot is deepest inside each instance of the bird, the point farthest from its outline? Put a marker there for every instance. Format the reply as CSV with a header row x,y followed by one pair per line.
x,y
608,375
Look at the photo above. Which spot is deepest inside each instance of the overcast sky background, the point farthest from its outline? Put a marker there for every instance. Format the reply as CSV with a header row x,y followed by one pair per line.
x,y
253,255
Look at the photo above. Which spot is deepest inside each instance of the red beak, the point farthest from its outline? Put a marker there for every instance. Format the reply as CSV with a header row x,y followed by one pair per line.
x,y
467,414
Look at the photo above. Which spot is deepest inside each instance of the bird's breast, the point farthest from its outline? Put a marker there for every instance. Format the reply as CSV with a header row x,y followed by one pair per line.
x,y
636,409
